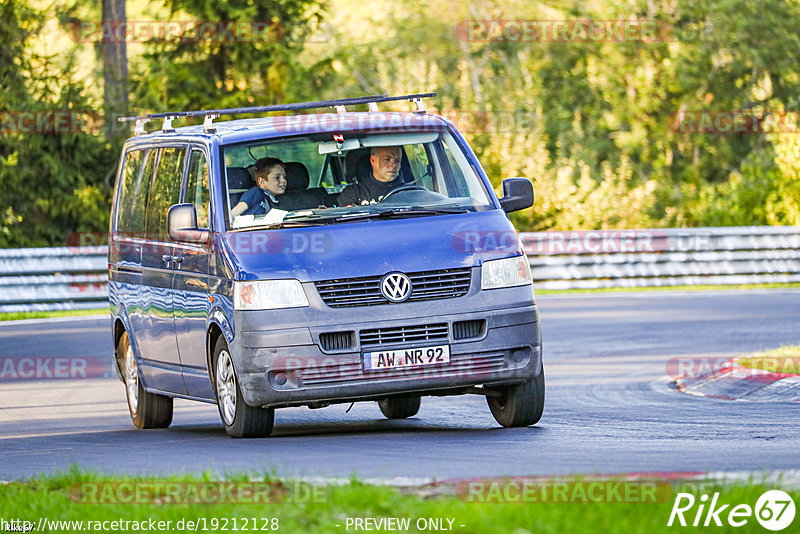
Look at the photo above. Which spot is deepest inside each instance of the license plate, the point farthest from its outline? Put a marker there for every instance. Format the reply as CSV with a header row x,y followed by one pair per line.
x,y
403,358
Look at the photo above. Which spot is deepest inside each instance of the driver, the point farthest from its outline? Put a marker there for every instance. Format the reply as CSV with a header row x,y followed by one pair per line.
x,y
385,161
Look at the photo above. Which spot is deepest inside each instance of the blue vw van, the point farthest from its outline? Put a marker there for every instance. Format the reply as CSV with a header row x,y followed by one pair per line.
x,y
380,267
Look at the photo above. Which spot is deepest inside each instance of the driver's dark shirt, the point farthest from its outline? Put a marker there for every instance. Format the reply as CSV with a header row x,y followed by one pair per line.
x,y
366,191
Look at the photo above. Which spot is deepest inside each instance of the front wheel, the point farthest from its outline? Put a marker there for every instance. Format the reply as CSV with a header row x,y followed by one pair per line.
x,y
148,410
239,419
519,405
400,407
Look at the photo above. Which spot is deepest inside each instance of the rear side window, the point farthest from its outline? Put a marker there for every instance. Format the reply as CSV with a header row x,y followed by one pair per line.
x,y
165,190
136,176
197,186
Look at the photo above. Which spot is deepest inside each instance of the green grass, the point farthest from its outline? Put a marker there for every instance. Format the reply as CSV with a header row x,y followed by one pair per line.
x,y
14,316
781,360
99,311
667,288
60,497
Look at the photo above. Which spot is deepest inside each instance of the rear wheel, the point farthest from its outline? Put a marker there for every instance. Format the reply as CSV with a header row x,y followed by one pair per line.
x,y
239,419
400,407
148,410
519,405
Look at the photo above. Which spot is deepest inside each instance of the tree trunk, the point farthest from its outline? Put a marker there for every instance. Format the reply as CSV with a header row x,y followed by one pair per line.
x,y
115,67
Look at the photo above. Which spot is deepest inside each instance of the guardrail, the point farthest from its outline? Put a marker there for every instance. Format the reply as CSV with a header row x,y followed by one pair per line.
x,y
669,257
62,278
76,277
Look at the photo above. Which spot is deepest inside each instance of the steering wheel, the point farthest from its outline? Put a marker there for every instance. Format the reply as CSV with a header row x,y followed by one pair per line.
x,y
407,187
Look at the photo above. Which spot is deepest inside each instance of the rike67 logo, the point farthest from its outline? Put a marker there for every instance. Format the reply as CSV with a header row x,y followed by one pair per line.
x,y
774,510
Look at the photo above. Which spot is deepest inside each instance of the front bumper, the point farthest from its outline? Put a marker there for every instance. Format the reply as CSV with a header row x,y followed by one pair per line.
x,y
287,365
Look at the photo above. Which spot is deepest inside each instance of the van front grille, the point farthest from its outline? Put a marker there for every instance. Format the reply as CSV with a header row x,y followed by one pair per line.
x,y
403,334
366,291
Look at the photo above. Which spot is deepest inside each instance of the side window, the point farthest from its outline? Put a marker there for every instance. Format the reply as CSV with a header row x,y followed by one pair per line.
x,y
420,167
136,177
165,190
458,163
331,176
326,178
456,184
197,186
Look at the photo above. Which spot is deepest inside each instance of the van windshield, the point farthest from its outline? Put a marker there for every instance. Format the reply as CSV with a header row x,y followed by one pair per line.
x,y
353,176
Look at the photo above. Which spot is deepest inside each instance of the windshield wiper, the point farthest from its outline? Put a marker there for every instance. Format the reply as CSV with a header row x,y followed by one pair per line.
x,y
399,213
319,219
275,226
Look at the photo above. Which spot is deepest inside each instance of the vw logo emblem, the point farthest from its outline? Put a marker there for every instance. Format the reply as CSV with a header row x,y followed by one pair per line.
x,y
396,287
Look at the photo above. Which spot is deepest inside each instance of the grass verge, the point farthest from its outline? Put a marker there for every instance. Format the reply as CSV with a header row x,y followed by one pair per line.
x,y
781,360
14,316
739,287
302,508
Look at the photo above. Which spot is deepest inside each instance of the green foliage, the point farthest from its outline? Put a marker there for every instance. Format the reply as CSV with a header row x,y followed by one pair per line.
x,y
765,191
487,505
595,124
17,316
57,184
785,359
230,71
54,183
605,149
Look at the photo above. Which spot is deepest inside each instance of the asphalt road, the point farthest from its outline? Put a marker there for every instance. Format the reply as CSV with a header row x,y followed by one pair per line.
x,y
610,407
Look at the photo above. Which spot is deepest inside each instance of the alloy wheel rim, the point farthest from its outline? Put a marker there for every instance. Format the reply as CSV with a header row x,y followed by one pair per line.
x,y
131,380
226,387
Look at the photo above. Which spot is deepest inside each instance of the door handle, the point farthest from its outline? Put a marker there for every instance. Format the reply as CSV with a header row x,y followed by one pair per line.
x,y
167,258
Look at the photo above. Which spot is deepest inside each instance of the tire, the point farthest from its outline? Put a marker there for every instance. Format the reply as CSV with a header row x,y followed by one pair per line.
x,y
148,410
519,405
400,407
239,419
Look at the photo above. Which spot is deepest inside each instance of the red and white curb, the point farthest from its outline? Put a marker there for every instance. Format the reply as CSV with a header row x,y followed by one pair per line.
x,y
731,381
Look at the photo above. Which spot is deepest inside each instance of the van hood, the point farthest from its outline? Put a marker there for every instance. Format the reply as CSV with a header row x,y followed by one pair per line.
x,y
372,247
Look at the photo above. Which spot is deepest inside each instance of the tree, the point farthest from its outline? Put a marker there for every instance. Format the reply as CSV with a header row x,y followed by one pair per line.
x,y
115,68
53,179
603,143
249,57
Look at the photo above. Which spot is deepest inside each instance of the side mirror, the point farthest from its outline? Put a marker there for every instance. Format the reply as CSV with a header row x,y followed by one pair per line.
x,y
182,225
517,194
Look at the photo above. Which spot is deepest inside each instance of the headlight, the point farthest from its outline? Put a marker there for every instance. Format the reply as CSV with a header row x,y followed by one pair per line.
x,y
268,295
508,272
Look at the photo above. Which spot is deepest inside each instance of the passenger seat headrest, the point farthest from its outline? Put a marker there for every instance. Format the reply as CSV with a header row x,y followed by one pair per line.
x,y
363,167
296,176
239,178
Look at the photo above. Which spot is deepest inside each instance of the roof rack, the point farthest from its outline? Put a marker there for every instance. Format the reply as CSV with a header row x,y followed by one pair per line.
x,y
210,114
